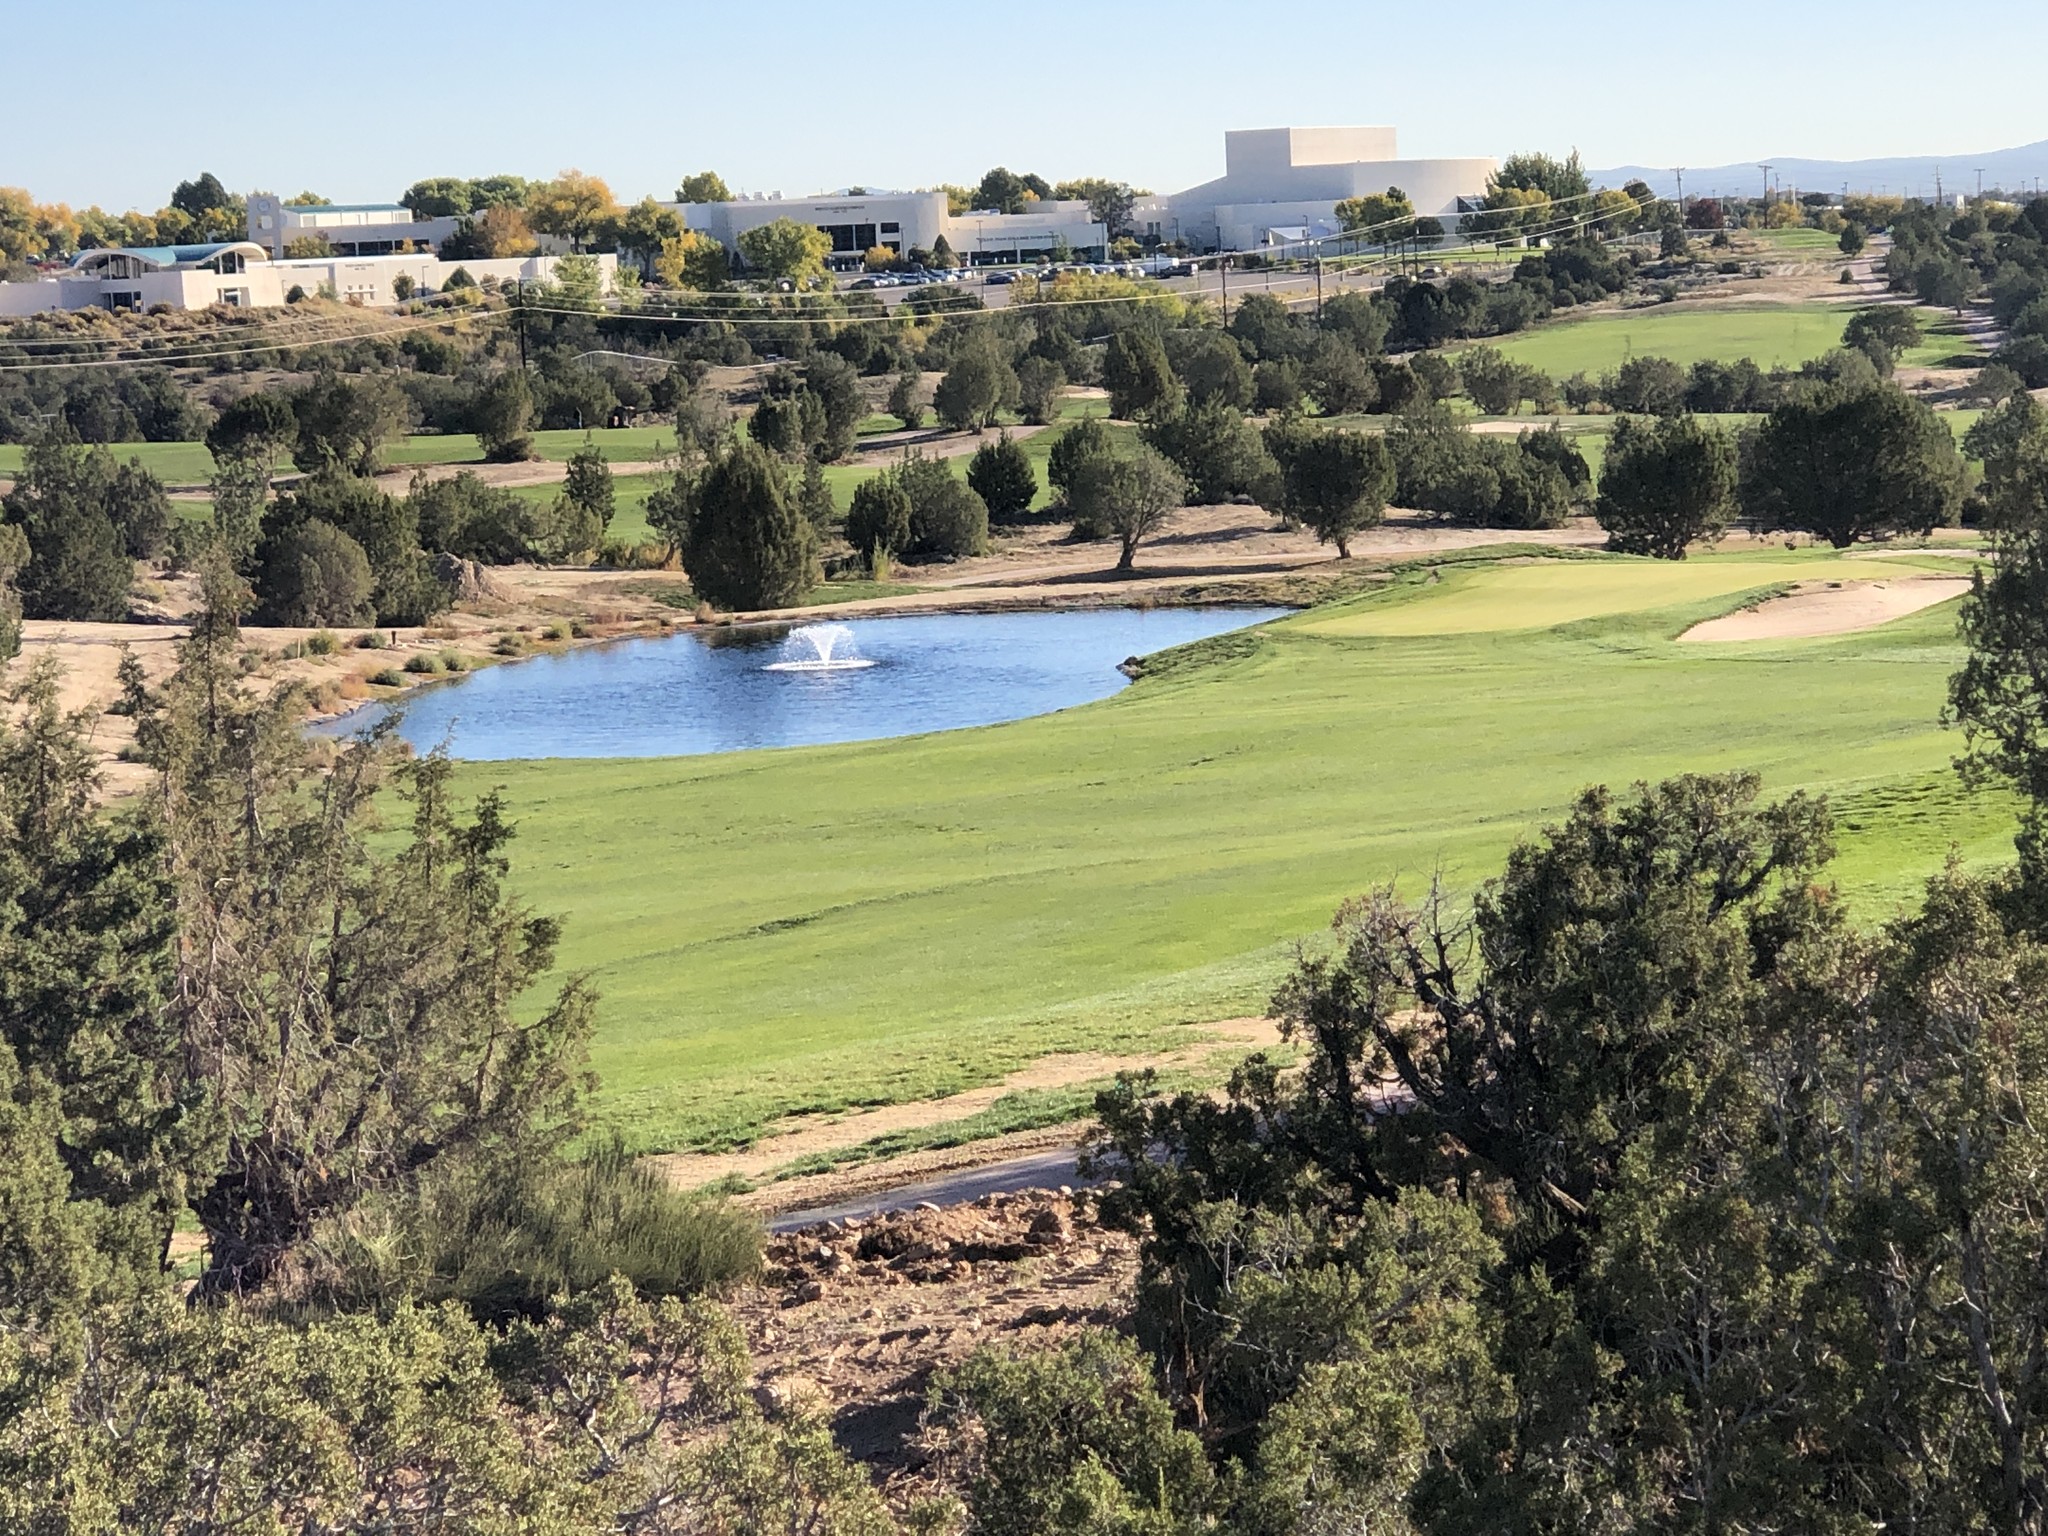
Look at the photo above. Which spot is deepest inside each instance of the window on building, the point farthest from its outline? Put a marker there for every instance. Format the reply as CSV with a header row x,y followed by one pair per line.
x,y
234,298
890,228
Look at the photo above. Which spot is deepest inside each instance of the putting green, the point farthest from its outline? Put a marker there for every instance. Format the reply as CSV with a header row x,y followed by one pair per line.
x,y
807,930
1543,594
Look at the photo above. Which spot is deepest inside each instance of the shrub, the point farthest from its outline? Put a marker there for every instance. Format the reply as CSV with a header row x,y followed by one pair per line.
x,y
1039,383
322,643
1218,451
454,661
1667,482
422,663
501,1240
501,416
746,544
878,521
370,640
1000,473
388,677
1084,440
313,573
947,519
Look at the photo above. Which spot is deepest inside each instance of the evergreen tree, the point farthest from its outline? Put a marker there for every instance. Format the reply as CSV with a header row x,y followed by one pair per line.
x,y
746,544
78,565
1000,473
1668,482
589,483
1140,381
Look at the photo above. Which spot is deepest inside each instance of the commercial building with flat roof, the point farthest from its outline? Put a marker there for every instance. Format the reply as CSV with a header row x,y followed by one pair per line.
x,y
902,222
352,229
239,273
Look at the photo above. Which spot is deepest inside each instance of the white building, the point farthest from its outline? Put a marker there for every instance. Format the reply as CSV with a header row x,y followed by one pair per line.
x,y
239,273
858,222
352,229
1283,184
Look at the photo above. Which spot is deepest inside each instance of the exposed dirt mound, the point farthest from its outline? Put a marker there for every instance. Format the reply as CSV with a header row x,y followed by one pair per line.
x,y
470,582
857,1315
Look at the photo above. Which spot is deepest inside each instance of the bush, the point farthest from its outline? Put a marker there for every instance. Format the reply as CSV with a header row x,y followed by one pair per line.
x,y
1085,439
502,1240
388,677
1219,452
322,643
746,544
1334,482
423,663
948,521
1647,386
1000,473
370,640
313,573
1039,384
1276,386
1667,482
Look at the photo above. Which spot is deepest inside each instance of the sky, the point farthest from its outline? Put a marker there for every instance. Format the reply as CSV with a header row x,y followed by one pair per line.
x,y
356,102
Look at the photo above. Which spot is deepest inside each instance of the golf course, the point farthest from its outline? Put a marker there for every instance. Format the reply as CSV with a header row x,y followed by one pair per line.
x,y
799,931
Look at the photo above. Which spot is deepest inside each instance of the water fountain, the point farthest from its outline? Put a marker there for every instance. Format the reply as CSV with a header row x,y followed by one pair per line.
x,y
819,648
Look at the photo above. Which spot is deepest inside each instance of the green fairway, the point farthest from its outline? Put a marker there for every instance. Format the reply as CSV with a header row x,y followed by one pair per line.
x,y
1486,599
776,932
1790,334
620,444
172,463
629,503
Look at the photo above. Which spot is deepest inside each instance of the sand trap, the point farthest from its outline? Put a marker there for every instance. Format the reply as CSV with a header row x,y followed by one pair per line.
x,y
1830,610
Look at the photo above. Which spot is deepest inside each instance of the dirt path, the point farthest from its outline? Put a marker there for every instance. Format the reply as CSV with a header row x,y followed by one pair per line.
x,y
812,1137
884,447
1830,609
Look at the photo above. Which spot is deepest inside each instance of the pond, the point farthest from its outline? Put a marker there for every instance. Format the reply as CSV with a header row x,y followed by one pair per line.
x,y
727,690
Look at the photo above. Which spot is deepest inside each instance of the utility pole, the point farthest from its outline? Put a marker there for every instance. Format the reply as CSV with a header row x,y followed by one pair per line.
x,y
1223,274
1319,288
519,314
1765,167
1679,172
1980,182
1937,184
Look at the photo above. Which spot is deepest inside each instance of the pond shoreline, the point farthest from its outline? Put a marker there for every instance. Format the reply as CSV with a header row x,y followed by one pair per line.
x,y
731,690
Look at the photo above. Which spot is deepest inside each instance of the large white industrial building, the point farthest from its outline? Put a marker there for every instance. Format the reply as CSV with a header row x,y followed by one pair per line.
x,y
902,222
1281,185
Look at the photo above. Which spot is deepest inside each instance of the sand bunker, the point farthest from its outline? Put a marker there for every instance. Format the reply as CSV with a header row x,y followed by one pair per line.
x,y
1830,610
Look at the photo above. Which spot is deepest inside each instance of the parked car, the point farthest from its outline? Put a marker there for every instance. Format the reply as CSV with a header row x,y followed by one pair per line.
x,y
997,279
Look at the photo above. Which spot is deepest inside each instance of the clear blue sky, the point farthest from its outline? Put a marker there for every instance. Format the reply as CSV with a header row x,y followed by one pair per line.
x,y
115,104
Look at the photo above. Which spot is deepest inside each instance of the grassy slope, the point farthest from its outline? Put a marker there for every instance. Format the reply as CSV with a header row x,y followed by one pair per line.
x,y
807,929
1599,343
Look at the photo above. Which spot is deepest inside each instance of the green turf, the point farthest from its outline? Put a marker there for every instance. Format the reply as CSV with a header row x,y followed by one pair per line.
x,y
620,444
799,930
1788,334
629,503
172,463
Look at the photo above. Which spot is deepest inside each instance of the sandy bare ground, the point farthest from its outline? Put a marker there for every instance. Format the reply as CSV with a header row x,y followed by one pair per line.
x,y
531,472
1829,609
884,447
812,1136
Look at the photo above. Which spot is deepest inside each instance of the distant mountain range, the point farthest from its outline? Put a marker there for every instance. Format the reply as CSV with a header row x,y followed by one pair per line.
x,y
2011,170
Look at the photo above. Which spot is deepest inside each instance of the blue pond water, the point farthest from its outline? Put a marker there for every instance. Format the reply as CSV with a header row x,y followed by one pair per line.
x,y
721,690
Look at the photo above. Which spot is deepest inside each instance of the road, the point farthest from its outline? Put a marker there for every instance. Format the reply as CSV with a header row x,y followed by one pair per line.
x,y
1037,1170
